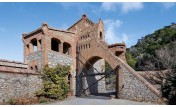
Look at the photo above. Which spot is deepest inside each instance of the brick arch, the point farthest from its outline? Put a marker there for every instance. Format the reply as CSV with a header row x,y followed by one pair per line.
x,y
93,54
92,60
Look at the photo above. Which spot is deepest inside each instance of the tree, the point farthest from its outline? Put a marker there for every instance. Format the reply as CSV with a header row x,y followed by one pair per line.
x,y
165,63
130,60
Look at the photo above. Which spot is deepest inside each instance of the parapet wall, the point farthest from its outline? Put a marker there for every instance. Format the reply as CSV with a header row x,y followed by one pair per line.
x,y
13,64
35,59
17,82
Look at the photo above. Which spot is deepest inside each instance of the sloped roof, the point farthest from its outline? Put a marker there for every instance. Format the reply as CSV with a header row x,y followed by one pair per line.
x,y
84,17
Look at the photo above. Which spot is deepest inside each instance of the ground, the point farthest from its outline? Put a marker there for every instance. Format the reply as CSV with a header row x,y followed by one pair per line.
x,y
97,100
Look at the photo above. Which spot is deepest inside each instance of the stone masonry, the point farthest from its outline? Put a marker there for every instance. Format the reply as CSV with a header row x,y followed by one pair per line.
x,y
99,87
135,89
17,82
55,58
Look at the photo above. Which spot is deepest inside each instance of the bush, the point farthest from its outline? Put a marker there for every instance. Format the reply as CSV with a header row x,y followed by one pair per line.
x,y
43,101
55,82
168,88
12,101
130,60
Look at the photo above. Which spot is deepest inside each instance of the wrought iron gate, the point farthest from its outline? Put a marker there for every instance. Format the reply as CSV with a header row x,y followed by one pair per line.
x,y
79,84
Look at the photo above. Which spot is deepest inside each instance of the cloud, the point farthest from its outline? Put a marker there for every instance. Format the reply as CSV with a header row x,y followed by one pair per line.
x,y
125,7
111,34
168,5
77,5
109,6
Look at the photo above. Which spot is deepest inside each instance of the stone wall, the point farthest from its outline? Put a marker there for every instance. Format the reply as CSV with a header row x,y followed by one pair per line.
x,y
55,58
34,57
134,89
18,85
87,81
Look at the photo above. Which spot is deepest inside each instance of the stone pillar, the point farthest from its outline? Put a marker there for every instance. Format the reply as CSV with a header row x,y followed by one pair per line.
x,y
70,51
38,45
120,82
31,48
61,47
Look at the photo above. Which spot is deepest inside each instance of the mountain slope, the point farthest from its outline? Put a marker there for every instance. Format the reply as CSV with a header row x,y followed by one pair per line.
x,y
145,49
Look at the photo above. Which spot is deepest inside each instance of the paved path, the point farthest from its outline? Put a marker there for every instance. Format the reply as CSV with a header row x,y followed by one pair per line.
x,y
97,100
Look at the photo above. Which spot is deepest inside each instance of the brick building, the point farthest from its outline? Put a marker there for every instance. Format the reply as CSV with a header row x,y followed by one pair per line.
x,y
83,47
49,46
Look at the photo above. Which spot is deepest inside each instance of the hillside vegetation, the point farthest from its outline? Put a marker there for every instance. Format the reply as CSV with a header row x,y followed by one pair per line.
x,y
145,51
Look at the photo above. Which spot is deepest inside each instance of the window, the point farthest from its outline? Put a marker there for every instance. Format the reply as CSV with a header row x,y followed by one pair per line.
x,y
66,48
31,68
86,46
36,68
69,79
34,44
101,36
55,44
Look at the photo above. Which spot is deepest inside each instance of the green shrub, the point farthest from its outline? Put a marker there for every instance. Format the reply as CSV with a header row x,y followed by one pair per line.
x,y
130,60
43,101
12,101
168,88
55,82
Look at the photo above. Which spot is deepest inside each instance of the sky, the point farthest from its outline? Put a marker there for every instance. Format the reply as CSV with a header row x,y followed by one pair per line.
x,y
126,22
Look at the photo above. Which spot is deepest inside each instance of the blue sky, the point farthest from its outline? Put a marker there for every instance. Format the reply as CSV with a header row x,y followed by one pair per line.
x,y
123,21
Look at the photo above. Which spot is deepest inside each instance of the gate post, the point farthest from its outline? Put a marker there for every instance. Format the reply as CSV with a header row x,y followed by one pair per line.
x,y
117,82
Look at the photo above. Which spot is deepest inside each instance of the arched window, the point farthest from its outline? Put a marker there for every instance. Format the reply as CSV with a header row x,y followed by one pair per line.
x,y
34,44
86,46
66,48
101,36
79,47
36,68
69,77
55,44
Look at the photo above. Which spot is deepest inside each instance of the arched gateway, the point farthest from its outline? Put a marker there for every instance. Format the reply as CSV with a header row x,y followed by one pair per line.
x,y
83,47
